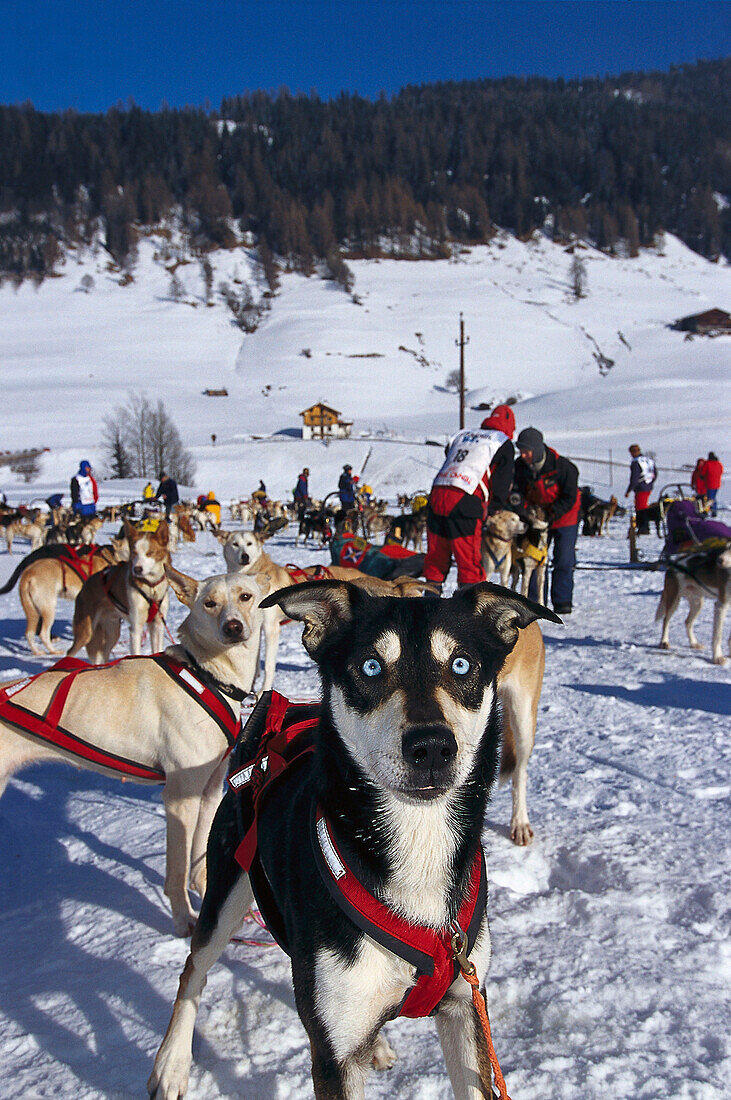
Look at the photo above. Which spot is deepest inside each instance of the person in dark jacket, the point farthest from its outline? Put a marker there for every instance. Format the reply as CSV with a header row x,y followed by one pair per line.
x,y
546,478
167,490
346,488
473,482
302,492
642,476
84,491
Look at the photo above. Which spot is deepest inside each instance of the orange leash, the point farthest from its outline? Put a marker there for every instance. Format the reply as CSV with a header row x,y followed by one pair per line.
x,y
467,969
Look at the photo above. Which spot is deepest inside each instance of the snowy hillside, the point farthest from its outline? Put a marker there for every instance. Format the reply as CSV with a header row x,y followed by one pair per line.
x,y
67,358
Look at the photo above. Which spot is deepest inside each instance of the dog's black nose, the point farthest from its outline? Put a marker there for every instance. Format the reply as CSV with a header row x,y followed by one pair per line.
x,y
233,628
429,748
244,558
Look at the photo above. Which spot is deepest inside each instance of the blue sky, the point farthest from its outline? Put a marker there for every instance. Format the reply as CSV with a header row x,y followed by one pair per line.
x,y
90,54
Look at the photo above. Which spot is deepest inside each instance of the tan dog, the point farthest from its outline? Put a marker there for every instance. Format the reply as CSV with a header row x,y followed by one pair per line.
x,y
530,553
137,711
498,533
704,573
519,690
45,578
244,552
136,590
24,528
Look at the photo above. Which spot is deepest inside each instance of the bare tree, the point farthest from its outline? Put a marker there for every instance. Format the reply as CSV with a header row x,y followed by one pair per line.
x,y
141,440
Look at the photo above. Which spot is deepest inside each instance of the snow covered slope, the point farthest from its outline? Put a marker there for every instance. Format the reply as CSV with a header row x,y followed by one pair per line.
x,y
67,358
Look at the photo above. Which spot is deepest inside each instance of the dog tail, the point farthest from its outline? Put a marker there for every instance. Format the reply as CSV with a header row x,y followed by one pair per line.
x,y
51,551
11,583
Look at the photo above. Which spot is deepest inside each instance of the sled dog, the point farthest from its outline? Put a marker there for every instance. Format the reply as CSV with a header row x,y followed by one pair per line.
x,y
703,574
244,551
141,717
529,554
136,590
389,808
498,532
50,574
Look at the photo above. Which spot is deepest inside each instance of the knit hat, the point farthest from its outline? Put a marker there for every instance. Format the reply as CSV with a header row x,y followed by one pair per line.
x,y
530,439
502,418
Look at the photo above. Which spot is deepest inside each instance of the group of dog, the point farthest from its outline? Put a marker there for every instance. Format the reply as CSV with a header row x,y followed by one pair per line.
x,y
405,747
361,842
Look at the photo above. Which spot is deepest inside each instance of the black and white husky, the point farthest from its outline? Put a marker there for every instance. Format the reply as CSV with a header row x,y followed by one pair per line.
x,y
405,753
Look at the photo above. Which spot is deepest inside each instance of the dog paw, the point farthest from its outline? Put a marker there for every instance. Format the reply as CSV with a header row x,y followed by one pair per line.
x,y
184,924
521,834
384,1056
169,1079
719,660
696,645
664,645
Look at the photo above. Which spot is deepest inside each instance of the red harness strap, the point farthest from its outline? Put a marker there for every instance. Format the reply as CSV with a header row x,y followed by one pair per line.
x,y
80,561
299,576
428,949
280,747
207,697
48,729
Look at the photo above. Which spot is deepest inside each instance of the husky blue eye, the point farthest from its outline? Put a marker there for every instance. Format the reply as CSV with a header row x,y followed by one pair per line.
x,y
461,666
371,667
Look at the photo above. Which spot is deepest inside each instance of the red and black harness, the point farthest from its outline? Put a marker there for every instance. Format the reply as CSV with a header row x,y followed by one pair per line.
x,y
286,744
47,727
80,560
153,605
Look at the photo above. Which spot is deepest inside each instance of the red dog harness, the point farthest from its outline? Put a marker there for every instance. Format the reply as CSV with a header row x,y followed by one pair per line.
x,y
79,561
47,727
287,742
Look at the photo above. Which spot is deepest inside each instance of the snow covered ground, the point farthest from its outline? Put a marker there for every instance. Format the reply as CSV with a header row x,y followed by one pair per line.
x,y
611,962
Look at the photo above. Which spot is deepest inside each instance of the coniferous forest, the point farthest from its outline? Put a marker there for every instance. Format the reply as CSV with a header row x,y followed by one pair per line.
x,y
614,161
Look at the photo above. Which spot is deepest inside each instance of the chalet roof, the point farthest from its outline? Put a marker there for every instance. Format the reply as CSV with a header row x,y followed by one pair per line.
x,y
709,316
320,405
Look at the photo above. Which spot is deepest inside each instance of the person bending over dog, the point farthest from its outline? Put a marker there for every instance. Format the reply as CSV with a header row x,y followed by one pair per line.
x,y
474,482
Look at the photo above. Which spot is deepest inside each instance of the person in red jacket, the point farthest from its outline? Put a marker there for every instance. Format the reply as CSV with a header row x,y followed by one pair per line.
x,y
546,478
474,481
712,475
698,479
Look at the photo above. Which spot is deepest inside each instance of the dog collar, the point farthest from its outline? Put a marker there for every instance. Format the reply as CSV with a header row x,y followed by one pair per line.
x,y
218,685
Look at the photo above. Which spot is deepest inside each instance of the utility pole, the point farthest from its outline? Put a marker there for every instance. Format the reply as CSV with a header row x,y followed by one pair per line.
x,y
461,344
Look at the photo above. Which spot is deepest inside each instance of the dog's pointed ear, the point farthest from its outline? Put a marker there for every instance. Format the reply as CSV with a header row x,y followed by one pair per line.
x,y
323,606
222,536
130,531
504,610
184,587
162,533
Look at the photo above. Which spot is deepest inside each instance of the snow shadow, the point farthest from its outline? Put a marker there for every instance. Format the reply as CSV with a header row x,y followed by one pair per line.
x,y
672,691
48,903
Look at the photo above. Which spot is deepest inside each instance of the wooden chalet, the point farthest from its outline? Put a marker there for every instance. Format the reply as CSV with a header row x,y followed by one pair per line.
x,y
712,321
321,421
